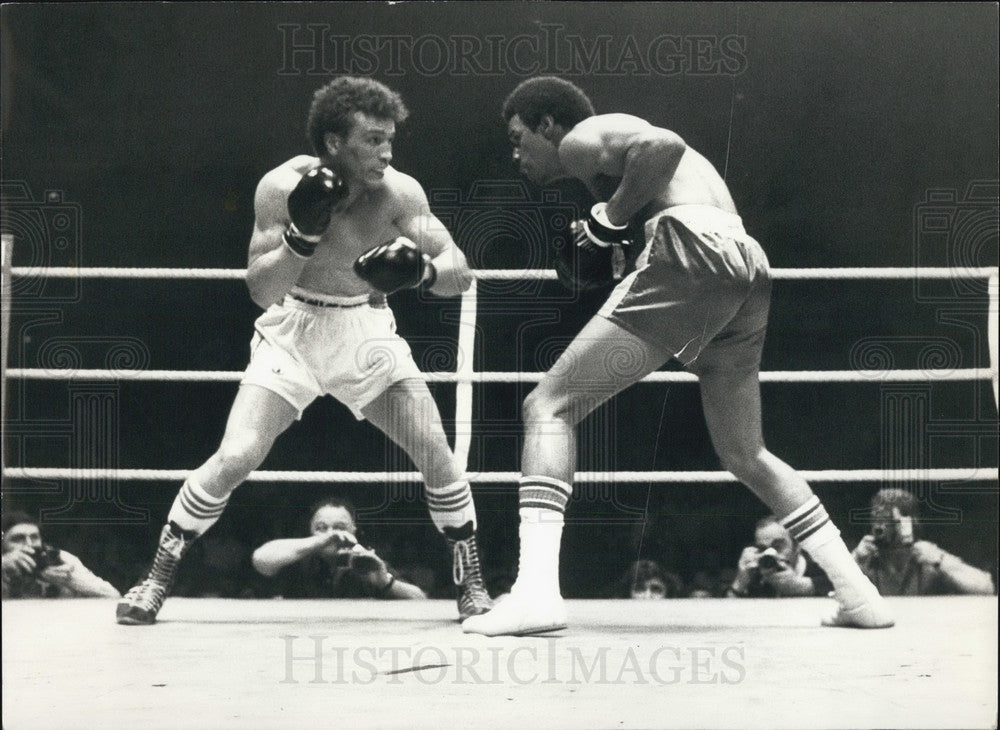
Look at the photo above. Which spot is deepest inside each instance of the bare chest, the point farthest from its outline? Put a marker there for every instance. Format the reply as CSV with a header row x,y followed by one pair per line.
x,y
331,268
352,234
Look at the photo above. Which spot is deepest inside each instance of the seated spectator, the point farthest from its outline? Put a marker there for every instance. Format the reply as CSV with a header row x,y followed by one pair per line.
x,y
900,565
647,580
32,569
711,583
330,563
775,567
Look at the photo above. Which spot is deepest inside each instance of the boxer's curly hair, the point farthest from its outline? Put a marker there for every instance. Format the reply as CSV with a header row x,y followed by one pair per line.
x,y
535,97
333,104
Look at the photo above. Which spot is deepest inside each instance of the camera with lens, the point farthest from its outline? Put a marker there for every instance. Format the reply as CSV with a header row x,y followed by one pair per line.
x,y
892,529
46,556
768,562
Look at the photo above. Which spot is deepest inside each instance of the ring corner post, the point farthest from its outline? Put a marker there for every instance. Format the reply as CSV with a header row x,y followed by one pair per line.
x,y
465,369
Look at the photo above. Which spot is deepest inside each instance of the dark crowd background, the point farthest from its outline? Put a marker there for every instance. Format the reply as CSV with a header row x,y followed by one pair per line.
x,y
850,134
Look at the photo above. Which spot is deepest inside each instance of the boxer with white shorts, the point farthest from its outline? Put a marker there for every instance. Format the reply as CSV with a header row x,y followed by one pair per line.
x,y
334,234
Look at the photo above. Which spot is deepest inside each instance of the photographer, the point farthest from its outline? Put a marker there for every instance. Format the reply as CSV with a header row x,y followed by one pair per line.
x,y
775,567
900,565
330,563
32,569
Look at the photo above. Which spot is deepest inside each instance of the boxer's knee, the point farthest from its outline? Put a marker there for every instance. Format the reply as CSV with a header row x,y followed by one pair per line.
x,y
744,460
238,455
543,406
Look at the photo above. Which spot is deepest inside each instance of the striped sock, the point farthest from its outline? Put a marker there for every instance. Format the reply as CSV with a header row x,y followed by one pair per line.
x,y
194,509
812,528
543,502
452,506
544,493
810,519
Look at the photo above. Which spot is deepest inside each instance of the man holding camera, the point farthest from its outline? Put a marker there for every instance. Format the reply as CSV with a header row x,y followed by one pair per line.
x,y
32,569
775,567
330,563
900,565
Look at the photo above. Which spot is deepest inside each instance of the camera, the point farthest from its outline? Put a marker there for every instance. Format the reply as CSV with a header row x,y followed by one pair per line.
x,y
45,557
894,529
768,562
46,233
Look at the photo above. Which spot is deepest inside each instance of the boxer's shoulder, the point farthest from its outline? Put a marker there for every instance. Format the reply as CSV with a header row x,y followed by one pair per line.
x,y
404,191
283,178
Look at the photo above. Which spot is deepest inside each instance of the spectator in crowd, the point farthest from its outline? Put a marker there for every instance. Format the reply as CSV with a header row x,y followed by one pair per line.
x,y
33,569
776,567
647,580
711,583
330,563
900,565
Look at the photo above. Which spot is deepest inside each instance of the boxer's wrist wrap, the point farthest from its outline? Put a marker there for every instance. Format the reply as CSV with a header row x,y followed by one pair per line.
x,y
601,227
300,246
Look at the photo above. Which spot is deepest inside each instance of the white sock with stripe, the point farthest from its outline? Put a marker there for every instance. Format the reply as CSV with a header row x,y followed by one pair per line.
x,y
194,509
543,502
811,526
452,506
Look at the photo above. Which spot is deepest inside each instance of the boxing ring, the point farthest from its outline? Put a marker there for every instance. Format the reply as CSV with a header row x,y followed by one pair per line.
x,y
213,663
687,663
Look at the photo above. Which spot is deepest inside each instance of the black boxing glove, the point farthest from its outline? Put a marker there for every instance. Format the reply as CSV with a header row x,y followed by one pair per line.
x,y
396,265
595,257
310,205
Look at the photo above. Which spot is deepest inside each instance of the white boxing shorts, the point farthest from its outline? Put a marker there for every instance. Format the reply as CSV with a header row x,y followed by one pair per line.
x,y
314,344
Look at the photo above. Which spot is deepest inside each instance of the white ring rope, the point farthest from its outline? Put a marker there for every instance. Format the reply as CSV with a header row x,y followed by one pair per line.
x,y
772,376
496,477
466,374
898,272
465,367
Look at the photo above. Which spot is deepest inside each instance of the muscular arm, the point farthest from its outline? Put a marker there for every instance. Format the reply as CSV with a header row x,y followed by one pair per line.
x,y
643,156
963,578
401,590
272,267
420,225
77,580
272,556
